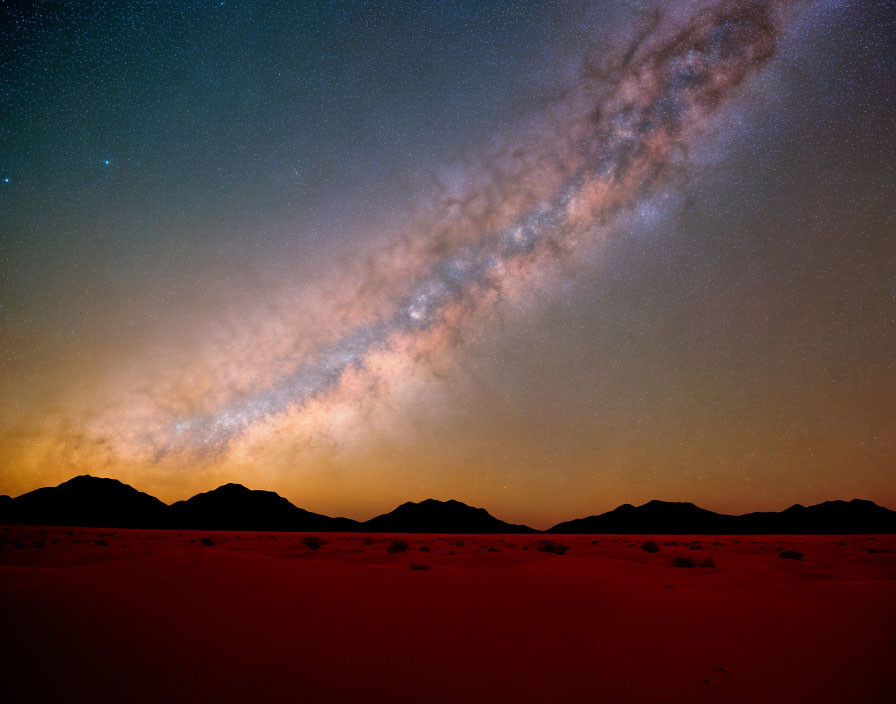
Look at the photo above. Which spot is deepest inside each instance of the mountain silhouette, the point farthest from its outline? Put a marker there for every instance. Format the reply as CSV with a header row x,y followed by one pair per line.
x,y
665,517
234,507
94,501
856,516
652,517
432,516
86,501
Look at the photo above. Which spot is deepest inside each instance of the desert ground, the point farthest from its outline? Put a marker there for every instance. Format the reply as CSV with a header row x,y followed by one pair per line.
x,y
109,615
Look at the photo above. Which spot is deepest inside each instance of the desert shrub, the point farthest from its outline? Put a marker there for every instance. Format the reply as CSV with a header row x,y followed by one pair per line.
x,y
100,542
493,549
684,562
708,562
552,547
424,548
460,543
418,566
695,547
368,541
650,546
791,555
208,541
397,546
313,542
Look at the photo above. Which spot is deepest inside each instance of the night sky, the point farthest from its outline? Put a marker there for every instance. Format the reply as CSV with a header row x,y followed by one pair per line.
x,y
543,257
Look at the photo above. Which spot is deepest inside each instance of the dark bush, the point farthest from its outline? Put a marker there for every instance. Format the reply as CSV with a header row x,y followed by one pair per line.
x,y
100,542
208,541
424,548
418,566
684,562
650,546
313,542
708,562
552,547
398,546
791,555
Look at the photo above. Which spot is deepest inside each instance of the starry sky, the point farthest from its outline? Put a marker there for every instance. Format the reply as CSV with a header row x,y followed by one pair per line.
x,y
545,257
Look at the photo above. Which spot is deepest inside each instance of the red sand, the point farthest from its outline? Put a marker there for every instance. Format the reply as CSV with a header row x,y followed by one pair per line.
x,y
158,616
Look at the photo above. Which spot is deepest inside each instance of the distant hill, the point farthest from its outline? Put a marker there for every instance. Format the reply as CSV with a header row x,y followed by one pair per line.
x,y
856,516
432,516
85,501
652,517
234,507
94,501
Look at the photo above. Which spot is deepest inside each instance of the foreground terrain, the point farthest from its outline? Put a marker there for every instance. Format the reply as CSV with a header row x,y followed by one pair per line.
x,y
106,615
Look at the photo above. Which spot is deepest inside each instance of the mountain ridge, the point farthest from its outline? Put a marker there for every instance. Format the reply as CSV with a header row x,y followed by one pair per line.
x,y
85,500
434,516
668,517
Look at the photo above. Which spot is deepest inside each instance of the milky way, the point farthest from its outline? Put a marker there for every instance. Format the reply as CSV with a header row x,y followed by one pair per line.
x,y
622,131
